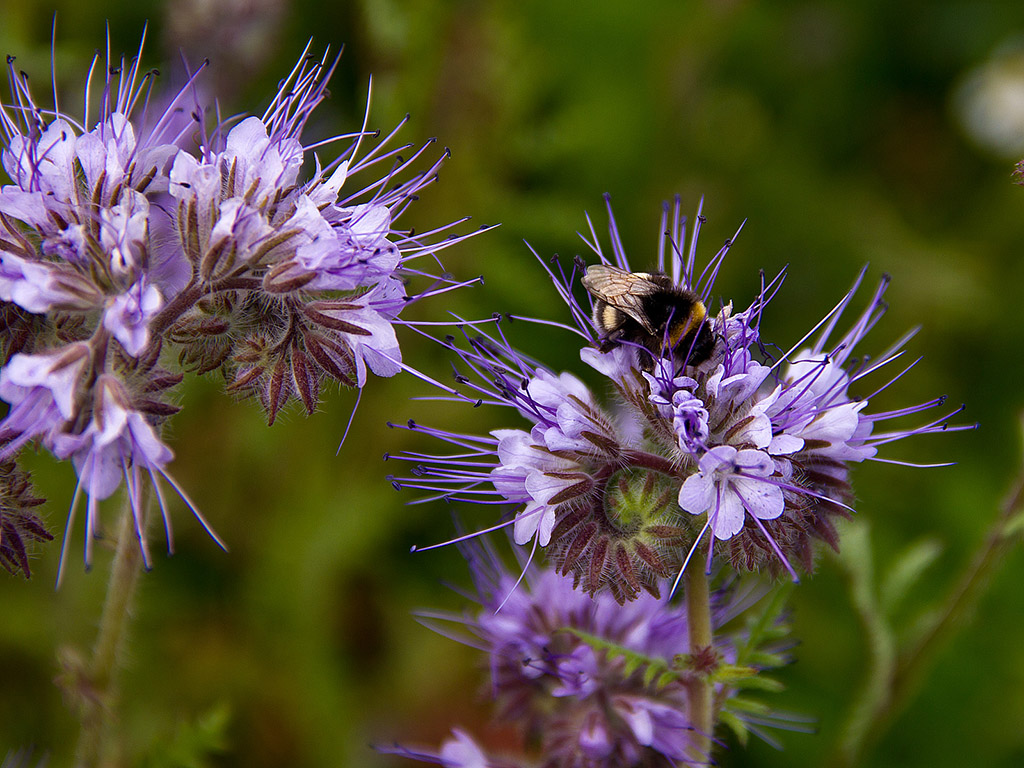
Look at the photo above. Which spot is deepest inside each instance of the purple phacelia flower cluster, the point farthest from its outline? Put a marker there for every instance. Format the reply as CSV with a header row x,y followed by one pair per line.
x,y
587,681
749,454
139,234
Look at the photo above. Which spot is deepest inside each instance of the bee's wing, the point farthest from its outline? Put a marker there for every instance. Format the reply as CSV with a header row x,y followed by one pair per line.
x,y
621,289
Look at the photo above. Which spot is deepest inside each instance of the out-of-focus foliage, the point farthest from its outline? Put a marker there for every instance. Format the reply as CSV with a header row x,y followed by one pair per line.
x,y
843,132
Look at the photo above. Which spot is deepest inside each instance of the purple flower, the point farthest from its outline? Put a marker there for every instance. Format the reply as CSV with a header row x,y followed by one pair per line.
x,y
729,484
41,390
120,242
461,751
585,681
117,445
533,475
314,273
127,316
39,287
746,453
458,751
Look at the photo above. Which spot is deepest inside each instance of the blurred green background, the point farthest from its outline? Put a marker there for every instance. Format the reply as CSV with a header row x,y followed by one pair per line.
x,y
881,132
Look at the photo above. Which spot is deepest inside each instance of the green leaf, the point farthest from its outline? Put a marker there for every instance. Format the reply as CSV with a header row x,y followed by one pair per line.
x,y
729,674
736,725
194,743
762,683
1014,526
654,668
652,672
666,678
765,660
743,704
765,626
905,572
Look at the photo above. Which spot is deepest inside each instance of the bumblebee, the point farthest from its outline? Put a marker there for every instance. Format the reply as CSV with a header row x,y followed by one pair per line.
x,y
648,310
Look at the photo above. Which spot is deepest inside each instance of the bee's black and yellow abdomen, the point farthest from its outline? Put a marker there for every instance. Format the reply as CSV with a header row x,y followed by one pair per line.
x,y
648,311
680,324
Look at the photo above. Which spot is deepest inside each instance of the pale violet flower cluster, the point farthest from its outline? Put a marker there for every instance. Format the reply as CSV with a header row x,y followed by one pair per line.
x,y
586,681
138,243
748,454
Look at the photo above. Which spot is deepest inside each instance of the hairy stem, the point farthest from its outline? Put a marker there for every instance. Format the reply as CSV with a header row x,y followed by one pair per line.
x,y
192,293
651,461
877,709
698,613
99,707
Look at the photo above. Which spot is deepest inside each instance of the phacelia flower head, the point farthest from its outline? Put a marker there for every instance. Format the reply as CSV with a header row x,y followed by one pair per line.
x,y
541,656
134,233
309,273
744,452
587,681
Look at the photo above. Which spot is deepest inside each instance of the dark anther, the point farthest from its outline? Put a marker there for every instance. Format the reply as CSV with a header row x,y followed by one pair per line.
x,y
412,424
478,403
449,338
386,456
578,261
496,316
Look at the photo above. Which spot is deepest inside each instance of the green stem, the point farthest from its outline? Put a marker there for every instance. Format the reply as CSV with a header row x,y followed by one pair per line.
x,y
962,598
99,705
905,672
875,691
698,614
192,293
